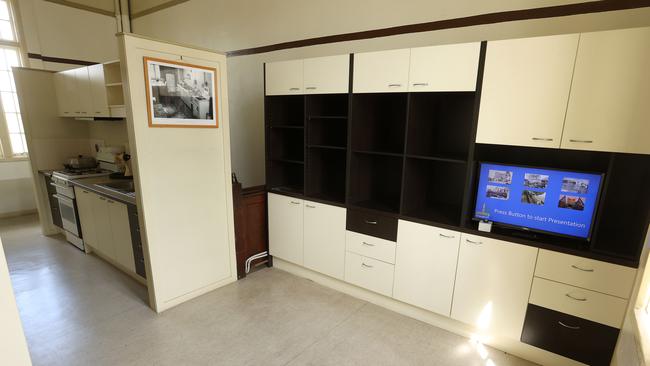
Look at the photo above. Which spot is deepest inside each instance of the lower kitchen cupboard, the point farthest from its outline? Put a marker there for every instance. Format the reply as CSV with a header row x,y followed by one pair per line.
x,y
102,218
425,266
86,217
369,273
493,282
122,248
324,239
286,228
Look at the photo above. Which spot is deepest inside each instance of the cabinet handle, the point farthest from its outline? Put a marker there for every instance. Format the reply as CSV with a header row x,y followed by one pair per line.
x,y
474,242
295,203
582,141
366,265
368,244
371,222
293,89
542,139
575,298
420,84
447,236
582,269
310,206
394,85
310,88
568,326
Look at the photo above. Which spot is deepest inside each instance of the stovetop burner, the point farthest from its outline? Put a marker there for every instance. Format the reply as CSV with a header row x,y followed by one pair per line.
x,y
69,173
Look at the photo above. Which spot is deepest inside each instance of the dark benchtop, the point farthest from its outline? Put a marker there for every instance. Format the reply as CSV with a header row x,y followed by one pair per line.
x,y
91,184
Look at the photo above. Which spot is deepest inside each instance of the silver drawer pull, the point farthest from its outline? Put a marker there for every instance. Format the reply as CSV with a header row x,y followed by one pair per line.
x,y
310,206
294,88
368,244
582,269
394,85
447,236
371,222
542,139
295,203
366,265
310,88
575,298
474,242
581,141
568,326
420,84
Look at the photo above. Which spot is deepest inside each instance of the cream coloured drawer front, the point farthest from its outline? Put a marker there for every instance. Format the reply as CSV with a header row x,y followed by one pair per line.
x,y
590,305
587,273
369,273
370,246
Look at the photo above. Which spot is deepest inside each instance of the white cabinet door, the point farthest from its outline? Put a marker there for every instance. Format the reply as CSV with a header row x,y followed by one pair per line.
x,y
493,281
286,228
327,75
324,239
609,107
104,243
83,92
86,216
525,90
284,77
119,220
369,273
425,266
98,91
380,72
444,68
62,97
70,93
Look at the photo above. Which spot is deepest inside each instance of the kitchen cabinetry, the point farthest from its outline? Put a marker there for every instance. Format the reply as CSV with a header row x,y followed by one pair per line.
x,y
380,72
608,108
121,234
98,91
324,239
327,75
444,68
425,266
103,226
284,77
85,201
286,228
84,96
525,90
493,281
66,93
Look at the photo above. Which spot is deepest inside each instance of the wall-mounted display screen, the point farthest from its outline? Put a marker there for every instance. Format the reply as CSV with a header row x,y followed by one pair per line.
x,y
548,200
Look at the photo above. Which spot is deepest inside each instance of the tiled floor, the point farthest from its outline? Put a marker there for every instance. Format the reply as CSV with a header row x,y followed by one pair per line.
x,y
78,310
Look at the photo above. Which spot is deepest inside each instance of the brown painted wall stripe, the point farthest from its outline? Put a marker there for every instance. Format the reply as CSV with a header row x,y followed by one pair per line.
x,y
157,8
489,18
60,60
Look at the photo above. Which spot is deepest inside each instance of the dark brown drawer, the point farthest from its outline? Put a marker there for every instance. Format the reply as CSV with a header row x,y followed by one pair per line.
x,y
371,223
576,338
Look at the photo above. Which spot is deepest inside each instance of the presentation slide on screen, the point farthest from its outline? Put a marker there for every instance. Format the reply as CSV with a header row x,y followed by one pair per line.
x,y
549,200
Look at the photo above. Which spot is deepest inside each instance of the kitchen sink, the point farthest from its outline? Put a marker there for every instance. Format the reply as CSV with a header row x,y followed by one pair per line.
x,y
122,186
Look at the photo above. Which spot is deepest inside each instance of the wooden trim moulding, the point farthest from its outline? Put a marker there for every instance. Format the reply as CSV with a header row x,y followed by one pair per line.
x,y
157,8
474,20
75,5
60,60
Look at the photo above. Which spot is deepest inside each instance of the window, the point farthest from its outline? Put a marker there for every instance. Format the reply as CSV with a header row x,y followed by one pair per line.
x,y
12,136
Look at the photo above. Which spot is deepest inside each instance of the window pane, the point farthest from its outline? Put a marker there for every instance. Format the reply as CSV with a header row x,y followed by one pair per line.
x,y
13,124
12,58
18,145
4,10
6,32
5,81
8,102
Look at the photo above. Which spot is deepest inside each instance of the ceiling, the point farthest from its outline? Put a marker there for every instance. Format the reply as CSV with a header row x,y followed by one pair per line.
x,y
107,7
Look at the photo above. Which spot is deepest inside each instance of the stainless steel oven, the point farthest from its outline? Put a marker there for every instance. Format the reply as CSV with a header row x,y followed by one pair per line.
x,y
68,213
68,209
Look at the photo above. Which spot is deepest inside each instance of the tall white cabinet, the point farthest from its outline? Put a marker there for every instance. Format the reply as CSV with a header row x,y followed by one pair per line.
x,y
608,109
525,90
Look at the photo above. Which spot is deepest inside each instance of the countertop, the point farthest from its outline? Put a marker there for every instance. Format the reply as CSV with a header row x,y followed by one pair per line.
x,y
46,172
91,185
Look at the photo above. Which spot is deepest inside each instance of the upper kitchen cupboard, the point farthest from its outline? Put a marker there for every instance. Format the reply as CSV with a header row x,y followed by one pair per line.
x,y
451,68
609,107
284,77
318,75
381,72
525,91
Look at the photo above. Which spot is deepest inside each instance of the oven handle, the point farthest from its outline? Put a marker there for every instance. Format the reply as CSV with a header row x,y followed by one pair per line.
x,y
63,198
58,186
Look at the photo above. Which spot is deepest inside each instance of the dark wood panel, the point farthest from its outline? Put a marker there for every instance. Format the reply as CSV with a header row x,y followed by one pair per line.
x,y
250,224
372,223
481,19
576,338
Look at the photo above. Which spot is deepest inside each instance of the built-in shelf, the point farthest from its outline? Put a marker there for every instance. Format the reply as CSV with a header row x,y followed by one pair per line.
x,y
379,121
290,161
448,159
379,153
287,126
326,174
327,147
331,118
376,181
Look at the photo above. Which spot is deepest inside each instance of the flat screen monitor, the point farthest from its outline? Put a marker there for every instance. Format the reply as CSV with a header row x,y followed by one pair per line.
x,y
538,199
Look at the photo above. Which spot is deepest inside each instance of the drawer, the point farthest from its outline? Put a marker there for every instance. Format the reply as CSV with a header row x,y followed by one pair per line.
x,y
369,273
586,273
373,224
370,246
578,339
590,305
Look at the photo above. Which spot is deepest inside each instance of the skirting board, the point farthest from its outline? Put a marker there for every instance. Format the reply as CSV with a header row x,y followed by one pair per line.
x,y
7,215
166,305
514,347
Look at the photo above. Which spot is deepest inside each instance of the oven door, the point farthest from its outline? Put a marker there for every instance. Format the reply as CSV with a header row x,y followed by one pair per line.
x,y
68,214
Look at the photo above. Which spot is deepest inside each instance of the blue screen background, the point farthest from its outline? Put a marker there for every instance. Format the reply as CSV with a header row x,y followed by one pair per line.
x,y
547,216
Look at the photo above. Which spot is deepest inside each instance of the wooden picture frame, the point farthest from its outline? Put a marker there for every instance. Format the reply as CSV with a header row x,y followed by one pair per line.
x,y
180,94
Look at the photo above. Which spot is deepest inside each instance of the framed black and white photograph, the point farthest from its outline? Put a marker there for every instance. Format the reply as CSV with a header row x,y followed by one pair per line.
x,y
180,94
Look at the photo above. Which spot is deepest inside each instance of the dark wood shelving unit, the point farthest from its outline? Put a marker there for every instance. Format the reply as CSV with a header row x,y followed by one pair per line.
x,y
379,122
326,174
375,181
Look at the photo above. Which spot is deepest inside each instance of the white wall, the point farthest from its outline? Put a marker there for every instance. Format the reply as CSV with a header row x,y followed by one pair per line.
x,y
13,347
229,25
16,188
